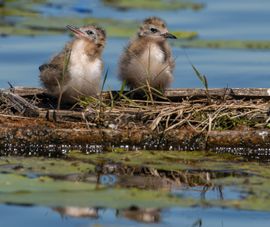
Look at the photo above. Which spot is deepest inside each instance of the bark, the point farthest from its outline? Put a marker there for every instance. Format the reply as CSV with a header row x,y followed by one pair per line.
x,y
24,135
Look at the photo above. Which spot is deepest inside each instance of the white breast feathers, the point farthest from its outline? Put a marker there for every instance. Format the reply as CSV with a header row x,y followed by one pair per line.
x,y
83,71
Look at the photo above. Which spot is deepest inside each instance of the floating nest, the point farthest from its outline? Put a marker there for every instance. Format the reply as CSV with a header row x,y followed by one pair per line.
x,y
224,120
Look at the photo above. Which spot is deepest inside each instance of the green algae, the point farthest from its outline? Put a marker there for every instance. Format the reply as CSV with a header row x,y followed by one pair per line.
x,y
39,165
11,183
17,185
45,191
255,188
56,25
30,22
163,160
153,4
113,27
251,179
21,31
224,44
17,12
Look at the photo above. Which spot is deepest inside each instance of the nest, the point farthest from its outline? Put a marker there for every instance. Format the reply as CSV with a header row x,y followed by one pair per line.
x,y
201,112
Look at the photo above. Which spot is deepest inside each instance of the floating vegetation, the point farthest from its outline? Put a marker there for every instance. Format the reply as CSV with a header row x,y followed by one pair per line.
x,y
164,160
225,44
115,28
142,179
17,12
56,25
44,190
185,35
30,21
154,4
37,166
23,31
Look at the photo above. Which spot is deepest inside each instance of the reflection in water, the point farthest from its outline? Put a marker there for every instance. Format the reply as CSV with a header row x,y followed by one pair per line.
x,y
187,217
146,215
218,189
210,193
77,212
197,223
203,183
108,179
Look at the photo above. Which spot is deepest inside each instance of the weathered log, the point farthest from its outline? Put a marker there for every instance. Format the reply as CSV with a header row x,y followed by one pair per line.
x,y
52,132
19,103
219,92
26,91
21,135
179,92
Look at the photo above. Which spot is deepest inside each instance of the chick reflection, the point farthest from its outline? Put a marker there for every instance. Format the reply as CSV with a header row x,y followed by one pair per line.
x,y
146,215
77,212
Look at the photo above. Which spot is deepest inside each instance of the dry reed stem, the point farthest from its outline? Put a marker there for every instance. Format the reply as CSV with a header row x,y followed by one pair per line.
x,y
199,115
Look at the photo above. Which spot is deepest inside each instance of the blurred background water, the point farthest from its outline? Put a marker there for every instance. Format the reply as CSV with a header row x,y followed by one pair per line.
x,y
217,20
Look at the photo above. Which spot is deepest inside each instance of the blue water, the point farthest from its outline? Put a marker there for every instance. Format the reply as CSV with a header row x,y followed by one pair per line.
x,y
243,20
21,56
17,216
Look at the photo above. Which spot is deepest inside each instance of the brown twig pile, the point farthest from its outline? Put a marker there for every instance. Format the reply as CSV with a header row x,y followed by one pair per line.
x,y
200,115
161,116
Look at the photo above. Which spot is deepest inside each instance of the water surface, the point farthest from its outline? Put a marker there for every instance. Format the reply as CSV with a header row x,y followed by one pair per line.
x,y
20,57
230,20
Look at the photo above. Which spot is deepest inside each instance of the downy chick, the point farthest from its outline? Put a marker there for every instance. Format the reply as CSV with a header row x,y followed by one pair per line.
x,y
76,71
148,58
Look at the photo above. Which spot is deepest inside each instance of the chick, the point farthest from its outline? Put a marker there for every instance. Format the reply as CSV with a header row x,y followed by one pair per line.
x,y
148,58
76,71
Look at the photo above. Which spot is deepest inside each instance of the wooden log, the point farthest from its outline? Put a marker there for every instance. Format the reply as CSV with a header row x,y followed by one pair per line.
x,y
21,135
219,92
26,91
53,132
179,92
20,104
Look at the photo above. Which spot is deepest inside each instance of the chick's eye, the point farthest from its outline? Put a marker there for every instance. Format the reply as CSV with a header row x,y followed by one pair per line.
x,y
154,30
89,32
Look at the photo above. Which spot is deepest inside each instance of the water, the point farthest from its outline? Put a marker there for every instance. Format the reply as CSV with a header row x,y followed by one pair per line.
x,y
21,56
110,198
233,19
186,217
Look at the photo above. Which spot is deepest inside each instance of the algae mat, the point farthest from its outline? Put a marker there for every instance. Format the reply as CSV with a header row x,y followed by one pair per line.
x,y
32,20
140,178
154,4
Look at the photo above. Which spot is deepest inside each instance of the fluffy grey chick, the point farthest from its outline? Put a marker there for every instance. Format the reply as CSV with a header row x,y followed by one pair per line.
x,y
148,57
83,72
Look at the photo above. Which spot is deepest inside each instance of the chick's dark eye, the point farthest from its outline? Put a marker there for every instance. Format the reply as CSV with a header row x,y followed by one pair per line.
x,y
154,30
89,32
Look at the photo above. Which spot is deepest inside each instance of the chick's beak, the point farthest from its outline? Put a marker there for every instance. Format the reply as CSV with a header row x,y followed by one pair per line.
x,y
169,36
75,30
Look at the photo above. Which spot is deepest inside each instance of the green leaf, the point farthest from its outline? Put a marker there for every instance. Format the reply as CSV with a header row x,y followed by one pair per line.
x,y
201,77
105,79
